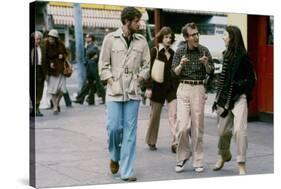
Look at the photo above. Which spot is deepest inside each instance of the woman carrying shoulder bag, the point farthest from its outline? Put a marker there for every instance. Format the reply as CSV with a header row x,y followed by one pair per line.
x,y
159,92
55,54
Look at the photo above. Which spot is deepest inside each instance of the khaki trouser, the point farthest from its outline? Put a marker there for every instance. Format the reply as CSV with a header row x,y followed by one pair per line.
x,y
235,123
190,114
153,126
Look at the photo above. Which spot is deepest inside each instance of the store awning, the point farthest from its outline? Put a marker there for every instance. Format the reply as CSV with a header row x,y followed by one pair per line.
x,y
183,11
63,14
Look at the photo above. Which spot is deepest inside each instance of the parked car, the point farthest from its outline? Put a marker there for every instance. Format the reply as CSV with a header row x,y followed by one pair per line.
x,y
216,46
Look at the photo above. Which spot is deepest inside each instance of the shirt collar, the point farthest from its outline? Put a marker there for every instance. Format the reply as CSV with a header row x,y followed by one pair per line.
x,y
194,49
161,46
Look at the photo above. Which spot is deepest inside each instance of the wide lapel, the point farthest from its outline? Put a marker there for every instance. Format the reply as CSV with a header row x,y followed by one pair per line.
x,y
171,55
118,34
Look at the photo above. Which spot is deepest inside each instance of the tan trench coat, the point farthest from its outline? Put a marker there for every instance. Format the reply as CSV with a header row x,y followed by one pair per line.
x,y
124,65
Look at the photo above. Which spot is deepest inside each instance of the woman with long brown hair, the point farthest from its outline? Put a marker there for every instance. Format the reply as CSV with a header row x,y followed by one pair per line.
x,y
234,92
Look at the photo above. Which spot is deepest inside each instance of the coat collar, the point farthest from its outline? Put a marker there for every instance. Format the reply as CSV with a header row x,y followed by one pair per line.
x,y
119,32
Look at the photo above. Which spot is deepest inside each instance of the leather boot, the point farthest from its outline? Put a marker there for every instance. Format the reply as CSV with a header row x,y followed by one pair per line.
x,y
114,166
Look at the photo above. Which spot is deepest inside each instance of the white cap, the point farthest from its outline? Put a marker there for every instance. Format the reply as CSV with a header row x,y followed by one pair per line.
x,y
53,33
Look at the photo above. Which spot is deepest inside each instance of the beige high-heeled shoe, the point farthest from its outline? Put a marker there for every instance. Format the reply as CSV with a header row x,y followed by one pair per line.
x,y
242,168
220,162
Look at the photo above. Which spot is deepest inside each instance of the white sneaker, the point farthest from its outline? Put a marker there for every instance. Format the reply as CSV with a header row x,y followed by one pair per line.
x,y
199,169
180,166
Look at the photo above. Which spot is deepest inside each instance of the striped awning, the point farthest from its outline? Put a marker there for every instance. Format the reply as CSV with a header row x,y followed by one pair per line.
x,y
91,17
194,12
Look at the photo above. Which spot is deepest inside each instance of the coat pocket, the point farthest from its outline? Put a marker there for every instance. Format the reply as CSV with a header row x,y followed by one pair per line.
x,y
115,89
134,87
117,55
136,55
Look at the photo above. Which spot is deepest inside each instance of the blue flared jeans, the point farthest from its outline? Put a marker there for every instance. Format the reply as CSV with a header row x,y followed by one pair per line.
x,y
122,129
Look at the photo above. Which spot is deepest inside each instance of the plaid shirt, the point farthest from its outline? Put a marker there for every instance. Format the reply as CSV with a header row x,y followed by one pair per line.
x,y
193,70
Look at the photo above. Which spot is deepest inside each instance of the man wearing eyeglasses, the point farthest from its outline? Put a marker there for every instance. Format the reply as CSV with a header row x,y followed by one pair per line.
x,y
191,63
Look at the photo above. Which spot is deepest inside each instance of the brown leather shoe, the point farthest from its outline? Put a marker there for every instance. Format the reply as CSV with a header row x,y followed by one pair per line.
x,y
152,147
130,179
174,148
114,166
220,162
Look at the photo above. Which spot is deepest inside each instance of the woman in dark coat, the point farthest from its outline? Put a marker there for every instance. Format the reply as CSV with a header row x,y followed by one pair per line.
x,y
161,92
55,53
234,93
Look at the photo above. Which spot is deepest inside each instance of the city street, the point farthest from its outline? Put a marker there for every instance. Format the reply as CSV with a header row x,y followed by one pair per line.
x,y
71,148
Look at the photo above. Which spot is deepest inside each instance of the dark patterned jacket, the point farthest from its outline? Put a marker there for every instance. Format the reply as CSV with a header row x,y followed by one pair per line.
x,y
194,70
242,80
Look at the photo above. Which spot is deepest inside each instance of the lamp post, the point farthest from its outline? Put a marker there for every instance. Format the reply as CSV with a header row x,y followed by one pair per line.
x,y
79,47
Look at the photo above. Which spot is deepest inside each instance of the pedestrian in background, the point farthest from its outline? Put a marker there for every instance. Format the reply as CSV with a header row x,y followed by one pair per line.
x,y
92,84
47,98
161,92
55,54
124,63
191,62
234,92
37,73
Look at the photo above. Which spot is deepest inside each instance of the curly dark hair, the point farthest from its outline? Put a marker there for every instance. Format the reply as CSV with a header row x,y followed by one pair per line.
x,y
165,31
130,13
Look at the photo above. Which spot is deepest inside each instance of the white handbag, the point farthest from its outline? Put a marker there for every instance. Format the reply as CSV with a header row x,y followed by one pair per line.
x,y
157,71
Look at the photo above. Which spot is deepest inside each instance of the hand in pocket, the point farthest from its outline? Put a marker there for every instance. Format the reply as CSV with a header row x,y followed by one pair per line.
x,y
116,88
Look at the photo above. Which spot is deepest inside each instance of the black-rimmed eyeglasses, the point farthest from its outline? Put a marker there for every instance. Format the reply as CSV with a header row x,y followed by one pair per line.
x,y
194,34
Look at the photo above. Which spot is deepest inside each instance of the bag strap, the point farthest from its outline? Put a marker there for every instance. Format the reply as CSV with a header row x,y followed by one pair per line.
x,y
157,51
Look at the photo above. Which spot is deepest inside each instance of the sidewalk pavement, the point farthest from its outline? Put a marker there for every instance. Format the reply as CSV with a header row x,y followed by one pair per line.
x,y
71,149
